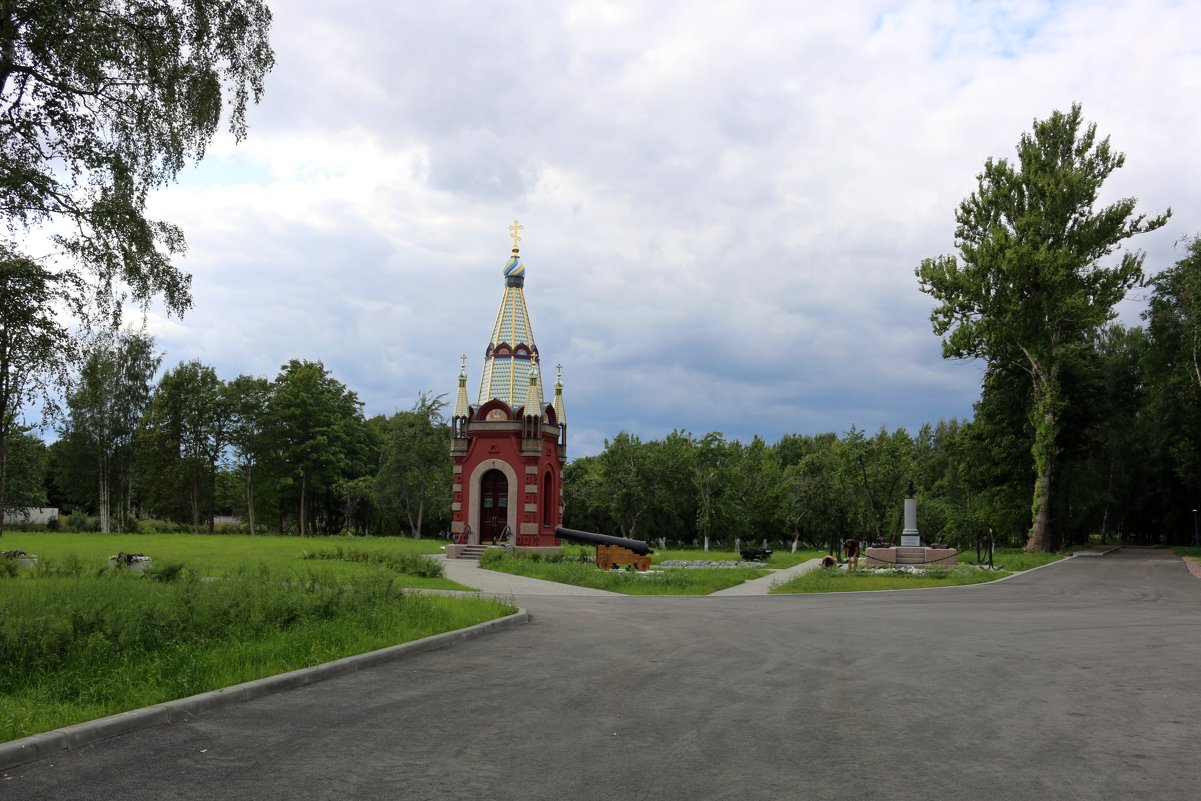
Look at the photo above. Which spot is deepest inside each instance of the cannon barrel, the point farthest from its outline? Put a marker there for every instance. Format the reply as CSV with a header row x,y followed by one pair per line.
x,y
588,538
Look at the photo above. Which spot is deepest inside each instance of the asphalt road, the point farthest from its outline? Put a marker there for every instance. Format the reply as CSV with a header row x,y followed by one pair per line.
x,y
1077,681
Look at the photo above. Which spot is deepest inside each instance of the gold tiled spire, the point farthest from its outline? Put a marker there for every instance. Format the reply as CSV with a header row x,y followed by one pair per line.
x,y
461,406
560,410
512,354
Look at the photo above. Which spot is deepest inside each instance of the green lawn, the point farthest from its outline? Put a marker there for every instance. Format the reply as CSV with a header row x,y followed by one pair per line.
x,y
1014,559
833,580
217,555
78,647
779,559
699,581
1011,559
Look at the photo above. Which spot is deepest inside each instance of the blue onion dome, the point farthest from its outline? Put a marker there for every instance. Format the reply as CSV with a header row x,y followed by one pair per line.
x,y
514,267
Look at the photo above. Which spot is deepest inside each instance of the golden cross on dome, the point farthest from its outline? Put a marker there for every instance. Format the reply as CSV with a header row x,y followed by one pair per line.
x,y
463,366
559,367
514,228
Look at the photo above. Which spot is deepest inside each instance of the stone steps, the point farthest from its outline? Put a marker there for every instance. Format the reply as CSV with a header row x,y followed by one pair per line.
x,y
472,551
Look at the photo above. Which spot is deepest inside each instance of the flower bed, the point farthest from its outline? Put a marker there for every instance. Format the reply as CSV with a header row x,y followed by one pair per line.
x,y
135,562
22,559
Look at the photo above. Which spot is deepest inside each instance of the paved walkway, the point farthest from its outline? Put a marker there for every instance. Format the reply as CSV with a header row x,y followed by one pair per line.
x,y
504,585
761,586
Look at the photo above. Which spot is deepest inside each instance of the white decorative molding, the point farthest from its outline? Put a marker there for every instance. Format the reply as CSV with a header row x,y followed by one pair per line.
x,y
473,511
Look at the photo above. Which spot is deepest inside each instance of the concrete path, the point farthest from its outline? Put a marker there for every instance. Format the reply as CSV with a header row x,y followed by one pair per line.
x,y
761,586
1097,550
1076,681
504,585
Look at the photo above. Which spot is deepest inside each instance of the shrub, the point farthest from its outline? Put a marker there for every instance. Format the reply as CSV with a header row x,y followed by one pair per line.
x,y
412,564
166,571
77,521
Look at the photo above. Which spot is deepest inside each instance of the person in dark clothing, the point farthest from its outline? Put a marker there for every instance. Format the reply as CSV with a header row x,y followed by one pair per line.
x,y
851,547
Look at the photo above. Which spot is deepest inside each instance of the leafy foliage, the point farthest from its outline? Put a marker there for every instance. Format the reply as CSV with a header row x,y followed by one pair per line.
x,y
102,101
34,350
1030,287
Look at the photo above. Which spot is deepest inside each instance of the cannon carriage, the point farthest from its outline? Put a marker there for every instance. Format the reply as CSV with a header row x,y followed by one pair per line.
x,y
611,551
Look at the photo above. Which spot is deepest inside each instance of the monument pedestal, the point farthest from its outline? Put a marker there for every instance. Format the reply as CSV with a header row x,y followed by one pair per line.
x,y
910,557
910,553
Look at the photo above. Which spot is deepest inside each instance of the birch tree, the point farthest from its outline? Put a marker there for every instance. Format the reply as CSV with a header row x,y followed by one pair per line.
x,y
106,403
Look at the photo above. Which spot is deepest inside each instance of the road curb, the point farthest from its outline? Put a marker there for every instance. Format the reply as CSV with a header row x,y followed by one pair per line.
x,y
47,744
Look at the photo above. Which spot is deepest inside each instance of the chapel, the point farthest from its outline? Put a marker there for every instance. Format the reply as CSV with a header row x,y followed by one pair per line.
x,y
508,448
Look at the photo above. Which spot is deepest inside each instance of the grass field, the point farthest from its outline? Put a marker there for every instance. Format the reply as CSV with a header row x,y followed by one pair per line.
x,y
1012,560
700,581
779,559
831,580
78,647
217,555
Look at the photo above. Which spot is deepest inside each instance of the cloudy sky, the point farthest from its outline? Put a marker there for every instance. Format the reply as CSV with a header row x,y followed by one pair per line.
x,y
723,203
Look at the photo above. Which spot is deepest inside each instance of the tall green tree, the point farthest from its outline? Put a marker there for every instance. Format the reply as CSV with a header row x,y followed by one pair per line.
x,y
877,468
248,400
1030,285
34,347
106,404
316,426
102,101
414,478
1173,385
191,410
1175,310
626,481
28,461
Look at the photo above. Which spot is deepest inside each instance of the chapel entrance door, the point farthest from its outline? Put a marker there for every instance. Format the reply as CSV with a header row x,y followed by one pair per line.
x,y
494,505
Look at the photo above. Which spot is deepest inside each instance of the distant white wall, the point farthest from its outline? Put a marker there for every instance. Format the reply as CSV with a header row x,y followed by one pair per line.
x,y
33,514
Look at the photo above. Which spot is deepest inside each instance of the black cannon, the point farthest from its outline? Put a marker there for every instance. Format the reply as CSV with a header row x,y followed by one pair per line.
x,y
610,551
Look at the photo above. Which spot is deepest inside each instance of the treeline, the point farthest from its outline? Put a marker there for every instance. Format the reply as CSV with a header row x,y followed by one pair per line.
x,y
1128,455
293,454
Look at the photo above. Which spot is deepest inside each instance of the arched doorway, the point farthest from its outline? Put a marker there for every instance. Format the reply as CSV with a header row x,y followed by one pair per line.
x,y
494,505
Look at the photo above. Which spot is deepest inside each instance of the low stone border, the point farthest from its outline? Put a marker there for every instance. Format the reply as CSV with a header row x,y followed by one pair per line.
x,y
40,746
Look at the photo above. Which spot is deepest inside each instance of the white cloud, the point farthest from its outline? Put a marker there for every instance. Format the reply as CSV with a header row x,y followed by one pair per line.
x,y
723,206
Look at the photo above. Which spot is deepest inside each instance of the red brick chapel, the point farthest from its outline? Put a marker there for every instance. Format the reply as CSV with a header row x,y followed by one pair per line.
x,y
510,447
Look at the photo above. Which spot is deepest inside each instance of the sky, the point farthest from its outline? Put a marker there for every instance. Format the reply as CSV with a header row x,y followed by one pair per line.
x,y
723,203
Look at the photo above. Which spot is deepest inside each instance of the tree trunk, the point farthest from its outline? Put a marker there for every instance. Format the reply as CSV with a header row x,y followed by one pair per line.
x,y
102,501
212,496
3,480
250,497
195,487
1046,428
304,512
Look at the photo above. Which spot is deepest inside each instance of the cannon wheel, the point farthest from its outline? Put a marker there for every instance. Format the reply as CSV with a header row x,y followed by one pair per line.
x,y
602,561
643,564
